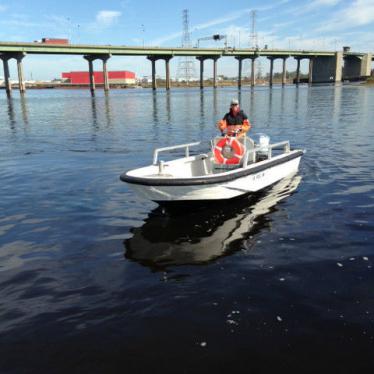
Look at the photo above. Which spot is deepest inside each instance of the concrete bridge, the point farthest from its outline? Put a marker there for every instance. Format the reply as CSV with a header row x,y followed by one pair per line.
x,y
324,66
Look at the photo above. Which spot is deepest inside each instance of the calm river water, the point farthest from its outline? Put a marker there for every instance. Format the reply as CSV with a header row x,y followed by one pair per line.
x,y
95,279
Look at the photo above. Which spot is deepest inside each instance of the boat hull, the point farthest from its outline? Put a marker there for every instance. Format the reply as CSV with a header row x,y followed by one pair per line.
x,y
254,180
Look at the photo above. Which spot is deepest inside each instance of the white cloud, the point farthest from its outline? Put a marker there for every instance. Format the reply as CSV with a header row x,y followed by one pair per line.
x,y
3,8
21,24
218,21
166,38
313,6
272,6
325,2
358,13
237,14
107,17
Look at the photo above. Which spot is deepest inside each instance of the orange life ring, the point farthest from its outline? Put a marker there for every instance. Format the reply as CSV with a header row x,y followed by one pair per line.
x,y
236,152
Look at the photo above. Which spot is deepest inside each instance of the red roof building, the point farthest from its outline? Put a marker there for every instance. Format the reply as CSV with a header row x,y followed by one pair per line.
x,y
117,77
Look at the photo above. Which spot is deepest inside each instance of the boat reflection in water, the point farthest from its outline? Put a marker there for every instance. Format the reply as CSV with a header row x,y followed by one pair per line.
x,y
203,234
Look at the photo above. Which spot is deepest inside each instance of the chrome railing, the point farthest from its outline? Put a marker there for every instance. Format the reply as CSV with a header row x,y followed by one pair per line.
x,y
181,146
250,155
285,145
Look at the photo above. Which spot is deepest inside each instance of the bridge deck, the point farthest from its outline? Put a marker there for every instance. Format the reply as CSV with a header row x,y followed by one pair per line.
x,y
78,49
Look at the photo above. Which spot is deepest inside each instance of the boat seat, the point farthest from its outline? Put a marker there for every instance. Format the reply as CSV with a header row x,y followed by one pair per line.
x,y
249,147
248,144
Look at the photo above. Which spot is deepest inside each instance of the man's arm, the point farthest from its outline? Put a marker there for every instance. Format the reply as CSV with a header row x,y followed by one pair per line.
x,y
246,125
222,124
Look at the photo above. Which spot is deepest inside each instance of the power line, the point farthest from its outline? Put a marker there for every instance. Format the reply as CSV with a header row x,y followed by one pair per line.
x,y
186,65
253,36
186,39
253,41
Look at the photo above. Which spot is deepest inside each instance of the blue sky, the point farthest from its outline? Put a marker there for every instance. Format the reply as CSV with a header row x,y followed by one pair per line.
x,y
315,24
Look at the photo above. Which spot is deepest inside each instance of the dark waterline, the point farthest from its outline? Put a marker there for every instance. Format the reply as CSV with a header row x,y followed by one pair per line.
x,y
95,279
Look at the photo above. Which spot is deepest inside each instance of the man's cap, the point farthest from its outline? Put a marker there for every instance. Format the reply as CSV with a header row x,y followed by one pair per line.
x,y
234,102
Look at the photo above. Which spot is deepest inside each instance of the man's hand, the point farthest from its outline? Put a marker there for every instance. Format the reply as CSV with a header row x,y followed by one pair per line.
x,y
221,125
240,134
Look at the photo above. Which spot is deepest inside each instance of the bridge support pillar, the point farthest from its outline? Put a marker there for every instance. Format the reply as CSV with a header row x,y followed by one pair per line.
x,y
90,60
167,72
105,72
202,73
201,59
284,71
240,64
357,67
21,81
240,61
153,60
271,71
253,77
327,69
215,72
310,74
366,65
92,76
8,85
297,80
339,66
154,82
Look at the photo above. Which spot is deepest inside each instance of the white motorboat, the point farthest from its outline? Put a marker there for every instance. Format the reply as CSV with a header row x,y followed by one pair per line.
x,y
229,170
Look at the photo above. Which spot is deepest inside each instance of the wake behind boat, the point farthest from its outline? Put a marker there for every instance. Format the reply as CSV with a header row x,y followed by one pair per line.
x,y
233,167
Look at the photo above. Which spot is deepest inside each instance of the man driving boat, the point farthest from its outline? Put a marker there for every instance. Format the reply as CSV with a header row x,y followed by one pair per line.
x,y
235,122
